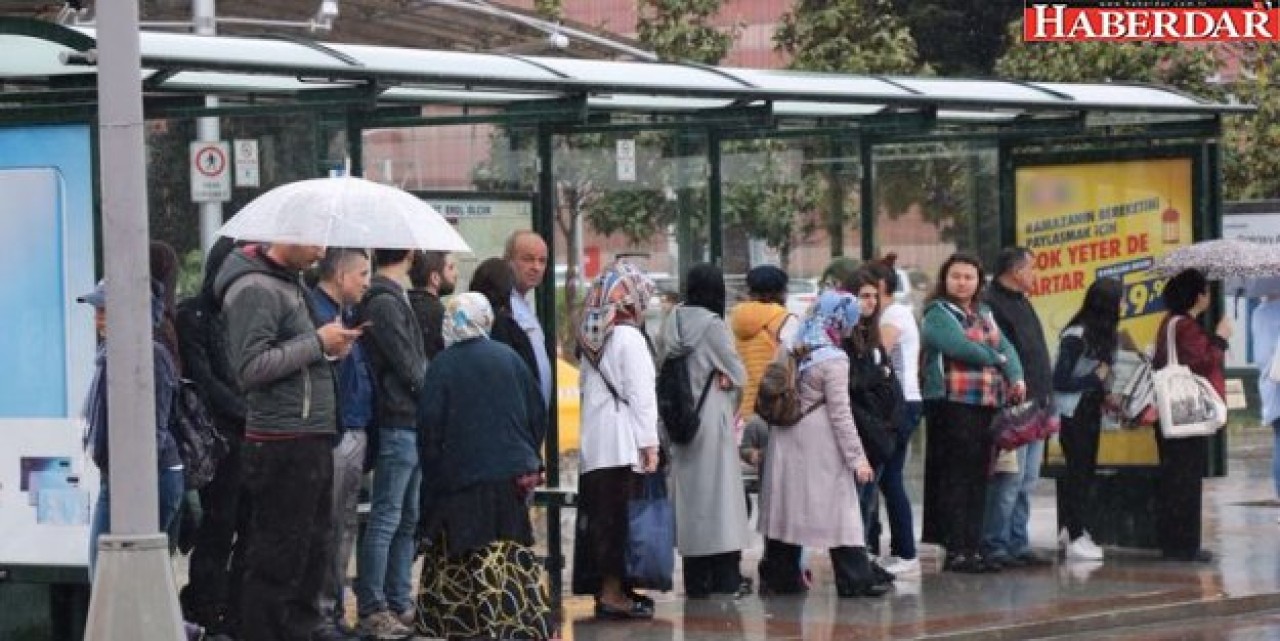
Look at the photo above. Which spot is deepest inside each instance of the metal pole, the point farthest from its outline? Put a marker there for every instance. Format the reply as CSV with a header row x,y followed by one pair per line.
x,y
715,198
134,594
208,128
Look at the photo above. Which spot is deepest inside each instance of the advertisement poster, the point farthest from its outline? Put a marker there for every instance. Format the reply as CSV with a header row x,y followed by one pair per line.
x,y
1239,297
1092,220
46,205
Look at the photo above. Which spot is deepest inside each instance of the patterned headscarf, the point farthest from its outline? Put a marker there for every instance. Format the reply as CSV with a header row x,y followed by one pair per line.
x,y
832,316
466,316
619,295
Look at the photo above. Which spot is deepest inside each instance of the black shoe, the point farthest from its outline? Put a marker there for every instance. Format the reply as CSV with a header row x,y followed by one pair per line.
x,y
991,564
964,563
881,575
637,610
640,598
863,590
1199,556
1030,559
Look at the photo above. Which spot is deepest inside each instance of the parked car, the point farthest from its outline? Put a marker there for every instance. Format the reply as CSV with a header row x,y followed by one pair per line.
x,y
801,292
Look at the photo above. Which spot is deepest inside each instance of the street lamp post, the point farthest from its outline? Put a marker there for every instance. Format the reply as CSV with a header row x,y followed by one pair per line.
x,y
134,593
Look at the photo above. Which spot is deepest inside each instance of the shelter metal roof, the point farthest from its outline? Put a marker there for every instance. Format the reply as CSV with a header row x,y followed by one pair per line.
x,y
276,66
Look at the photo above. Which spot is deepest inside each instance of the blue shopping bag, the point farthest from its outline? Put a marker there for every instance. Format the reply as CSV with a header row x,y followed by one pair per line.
x,y
651,536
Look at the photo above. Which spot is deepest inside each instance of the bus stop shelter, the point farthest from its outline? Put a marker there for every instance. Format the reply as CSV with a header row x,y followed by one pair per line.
x,y
983,163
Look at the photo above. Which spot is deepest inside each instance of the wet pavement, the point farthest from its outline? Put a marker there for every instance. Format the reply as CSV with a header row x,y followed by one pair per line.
x,y
1131,588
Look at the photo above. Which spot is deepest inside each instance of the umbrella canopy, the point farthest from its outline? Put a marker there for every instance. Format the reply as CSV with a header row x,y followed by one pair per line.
x,y
1220,259
344,212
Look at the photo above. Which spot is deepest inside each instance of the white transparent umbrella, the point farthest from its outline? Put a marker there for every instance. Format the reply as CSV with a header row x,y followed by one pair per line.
x,y
1222,258
344,212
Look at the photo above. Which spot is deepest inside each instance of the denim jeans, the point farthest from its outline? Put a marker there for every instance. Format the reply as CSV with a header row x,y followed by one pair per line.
x,y
348,471
1009,505
170,488
385,564
902,538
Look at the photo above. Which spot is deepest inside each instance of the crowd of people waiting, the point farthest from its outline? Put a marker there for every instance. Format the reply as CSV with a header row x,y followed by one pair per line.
x,y
376,365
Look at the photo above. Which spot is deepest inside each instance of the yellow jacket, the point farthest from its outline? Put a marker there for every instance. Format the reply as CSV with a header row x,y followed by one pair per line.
x,y
756,327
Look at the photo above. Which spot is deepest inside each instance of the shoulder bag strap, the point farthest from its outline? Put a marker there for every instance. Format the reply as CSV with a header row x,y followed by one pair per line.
x,y
1171,350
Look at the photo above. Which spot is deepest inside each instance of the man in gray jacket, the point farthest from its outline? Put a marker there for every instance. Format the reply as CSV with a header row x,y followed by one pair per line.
x,y
282,363
399,362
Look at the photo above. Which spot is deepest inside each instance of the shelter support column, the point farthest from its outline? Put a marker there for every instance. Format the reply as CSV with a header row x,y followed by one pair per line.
x,y
866,198
715,198
544,224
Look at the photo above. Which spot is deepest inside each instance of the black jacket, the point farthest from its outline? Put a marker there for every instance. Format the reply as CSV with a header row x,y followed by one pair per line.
x,y
1018,321
508,332
430,314
393,342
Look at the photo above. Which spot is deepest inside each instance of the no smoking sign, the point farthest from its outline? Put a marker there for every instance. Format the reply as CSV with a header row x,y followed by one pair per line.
x,y
210,179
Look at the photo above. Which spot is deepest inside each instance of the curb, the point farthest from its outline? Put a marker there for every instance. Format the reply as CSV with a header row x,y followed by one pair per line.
x,y
1165,613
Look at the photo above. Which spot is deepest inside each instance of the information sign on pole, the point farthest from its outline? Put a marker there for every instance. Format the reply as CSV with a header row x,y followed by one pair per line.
x,y
210,172
246,160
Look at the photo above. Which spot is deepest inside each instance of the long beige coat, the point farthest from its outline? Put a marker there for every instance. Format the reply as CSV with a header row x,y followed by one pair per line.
x,y
809,495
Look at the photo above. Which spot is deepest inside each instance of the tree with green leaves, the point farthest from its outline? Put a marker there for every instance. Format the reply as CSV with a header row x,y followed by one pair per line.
x,y
958,37
1251,144
1186,68
774,200
682,30
847,36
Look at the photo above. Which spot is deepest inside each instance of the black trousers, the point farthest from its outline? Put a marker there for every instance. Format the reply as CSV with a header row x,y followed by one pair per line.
x,y
712,574
602,528
216,564
290,485
1182,468
1079,439
780,568
958,455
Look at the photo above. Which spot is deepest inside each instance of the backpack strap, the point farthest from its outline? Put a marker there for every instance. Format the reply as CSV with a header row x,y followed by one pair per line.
x,y
613,391
706,388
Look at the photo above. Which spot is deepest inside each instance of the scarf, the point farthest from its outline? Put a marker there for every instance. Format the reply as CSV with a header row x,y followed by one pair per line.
x,y
832,316
466,316
618,296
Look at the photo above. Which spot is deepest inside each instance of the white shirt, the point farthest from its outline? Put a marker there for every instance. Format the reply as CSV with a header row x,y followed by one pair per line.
x,y
906,353
613,432
528,321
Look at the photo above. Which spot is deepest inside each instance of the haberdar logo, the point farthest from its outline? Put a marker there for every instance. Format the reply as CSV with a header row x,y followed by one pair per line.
x,y
1151,20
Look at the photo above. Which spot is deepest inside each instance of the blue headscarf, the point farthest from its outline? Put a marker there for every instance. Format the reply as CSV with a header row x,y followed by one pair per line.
x,y
832,316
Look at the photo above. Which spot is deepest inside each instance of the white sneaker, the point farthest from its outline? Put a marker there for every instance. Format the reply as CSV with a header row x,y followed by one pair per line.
x,y
1084,549
902,567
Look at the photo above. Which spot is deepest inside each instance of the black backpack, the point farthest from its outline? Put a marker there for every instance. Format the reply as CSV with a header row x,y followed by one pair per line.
x,y
680,415
875,398
201,446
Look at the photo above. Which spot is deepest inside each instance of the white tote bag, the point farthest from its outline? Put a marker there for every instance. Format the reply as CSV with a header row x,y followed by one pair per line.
x,y
1187,403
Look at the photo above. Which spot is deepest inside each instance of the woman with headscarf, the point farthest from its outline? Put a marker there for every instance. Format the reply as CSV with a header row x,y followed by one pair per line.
x,y
711,517
481,577
619,434
809,498
495,280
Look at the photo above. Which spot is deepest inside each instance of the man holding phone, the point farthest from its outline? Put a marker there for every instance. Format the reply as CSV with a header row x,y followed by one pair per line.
x,y
344,279
283,364
394,343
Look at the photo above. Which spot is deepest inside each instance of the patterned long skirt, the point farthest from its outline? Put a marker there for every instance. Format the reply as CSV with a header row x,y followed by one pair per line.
x,y
495,592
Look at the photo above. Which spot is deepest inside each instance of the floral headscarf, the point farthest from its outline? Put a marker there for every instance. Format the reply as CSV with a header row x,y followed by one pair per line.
x,y
619,295
466,316
832,316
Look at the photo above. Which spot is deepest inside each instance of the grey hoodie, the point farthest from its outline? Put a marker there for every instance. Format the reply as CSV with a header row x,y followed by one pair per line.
x,y
274,349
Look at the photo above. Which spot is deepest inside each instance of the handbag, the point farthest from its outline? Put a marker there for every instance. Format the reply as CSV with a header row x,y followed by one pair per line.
x,y
1187,403
1024,423
1131,381
651,536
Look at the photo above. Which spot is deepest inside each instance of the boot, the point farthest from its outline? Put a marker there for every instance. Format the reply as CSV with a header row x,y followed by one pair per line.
x,y
854,576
